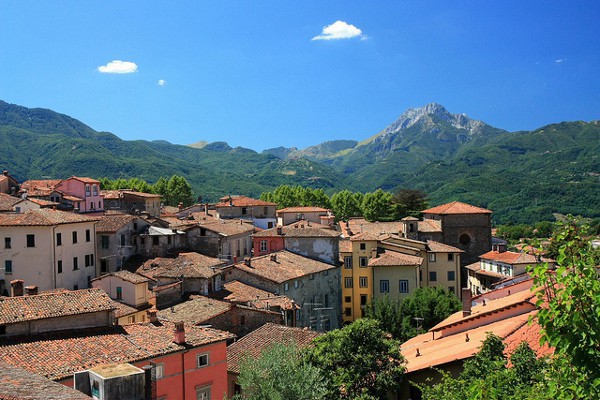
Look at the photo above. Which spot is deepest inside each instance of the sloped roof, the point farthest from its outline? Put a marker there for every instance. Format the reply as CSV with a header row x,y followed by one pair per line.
x,y
188,265
456,207
196,310
7,201
51,305
57,355
227,227
242,293
242,201
302,210
19,384
43,217
110,223
40,187
255,342
286,266
298,229
509,257
437,247
394,259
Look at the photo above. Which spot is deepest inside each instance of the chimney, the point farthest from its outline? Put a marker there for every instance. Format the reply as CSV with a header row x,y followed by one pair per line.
x,y
206,209
16,288
274,257
248,262
466,302
374,252
279,230
5,172
31,290
151,314
179,334
180,206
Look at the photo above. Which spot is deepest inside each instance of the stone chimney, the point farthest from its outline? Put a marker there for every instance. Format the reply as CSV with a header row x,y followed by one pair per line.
x,y
180,206
466,302
16,288
274,257
279,230
205,208
151,314
374,252
5,172
179,333
31,290
248,262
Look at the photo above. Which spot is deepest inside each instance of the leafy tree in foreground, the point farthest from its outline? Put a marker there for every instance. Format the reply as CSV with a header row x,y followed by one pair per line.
x,y
397,316
345,205
377,206
409,202
360,361
280,373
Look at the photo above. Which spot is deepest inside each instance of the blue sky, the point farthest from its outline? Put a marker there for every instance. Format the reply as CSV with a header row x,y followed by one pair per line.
x,y
262,74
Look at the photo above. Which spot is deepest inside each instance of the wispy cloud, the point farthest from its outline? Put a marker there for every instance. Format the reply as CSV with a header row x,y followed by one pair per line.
x,y
560,60
118,67
162,82
339,30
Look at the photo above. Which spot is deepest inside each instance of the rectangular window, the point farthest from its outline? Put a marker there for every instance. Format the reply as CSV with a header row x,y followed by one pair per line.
x,y
244,210
104,241
87,190
202,360
286,287
91,260
432,257
348,312
119,293
263,245
363,282
363,246
265,210
122,240
74,237
384,286
8,267
59,239
451,289
95,190
348,283
75,263
363,261
348,262
432,276
296,284
30,240
103,266
347,299
159,370
451,276
154,240
403,283
87,260
363,299
88,235
450,256
7,243
59,266
203,393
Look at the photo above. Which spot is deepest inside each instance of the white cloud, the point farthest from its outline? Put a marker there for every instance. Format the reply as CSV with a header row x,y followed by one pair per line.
x,y
560,60
339,30
118,67
162,82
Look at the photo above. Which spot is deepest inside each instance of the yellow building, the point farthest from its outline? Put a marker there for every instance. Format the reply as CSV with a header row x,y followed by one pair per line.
x,y
379,265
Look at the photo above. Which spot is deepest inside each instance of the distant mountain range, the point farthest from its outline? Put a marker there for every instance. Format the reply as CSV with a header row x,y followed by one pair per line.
x,y
522,176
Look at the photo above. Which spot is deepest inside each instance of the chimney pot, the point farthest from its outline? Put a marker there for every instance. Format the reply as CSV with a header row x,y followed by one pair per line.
x,y
466,302
152,316
248,261
274,257
418,353
16,288
279,230
179,334
31,290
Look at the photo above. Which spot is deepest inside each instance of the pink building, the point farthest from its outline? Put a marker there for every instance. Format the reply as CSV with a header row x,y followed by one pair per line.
x,y
85,191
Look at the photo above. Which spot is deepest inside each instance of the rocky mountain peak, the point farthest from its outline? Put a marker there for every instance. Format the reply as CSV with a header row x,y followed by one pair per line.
x,y
424,115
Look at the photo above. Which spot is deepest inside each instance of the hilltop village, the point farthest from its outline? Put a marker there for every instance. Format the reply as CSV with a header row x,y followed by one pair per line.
x,y
105,289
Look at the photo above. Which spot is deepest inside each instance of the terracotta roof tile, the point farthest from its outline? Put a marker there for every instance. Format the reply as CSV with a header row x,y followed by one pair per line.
x,y
110,223
129,276
42,217
345,246
255,342
298,229
19,384
190,265
242,201
122,309
57,355
509,257
437,247
41,187
286,266
242,293
392,258
228,227
302,210
456,207
84,179
7,202
430,225
50,305
196,310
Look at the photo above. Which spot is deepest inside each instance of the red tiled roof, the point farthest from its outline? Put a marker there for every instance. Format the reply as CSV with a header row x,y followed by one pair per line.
x,y
51,305
302,210
196,310
19,384
110,223
42,202
57,355
7,201
241,293
437,247
393,259
227,227
285,267
190,265
84,179
122,309
242,201
456,207
509,257
430,225
345,246
140,194
298,229
253,343
111,194
366,236
42,217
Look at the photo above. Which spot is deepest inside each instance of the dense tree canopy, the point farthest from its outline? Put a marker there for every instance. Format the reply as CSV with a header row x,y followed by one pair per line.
x,y
173,190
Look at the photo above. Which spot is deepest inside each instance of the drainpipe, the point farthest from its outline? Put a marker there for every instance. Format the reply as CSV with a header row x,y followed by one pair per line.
x,y
183,371
54,256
